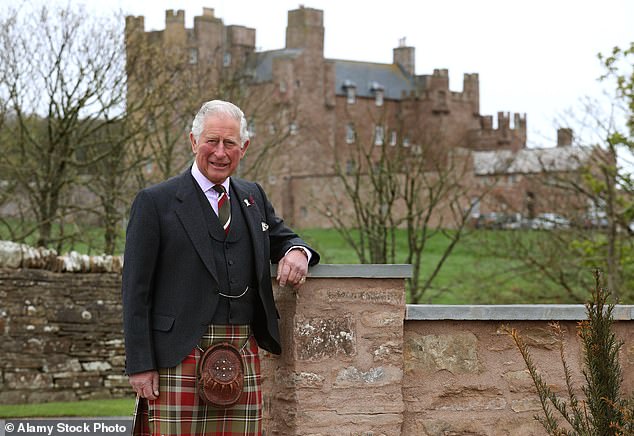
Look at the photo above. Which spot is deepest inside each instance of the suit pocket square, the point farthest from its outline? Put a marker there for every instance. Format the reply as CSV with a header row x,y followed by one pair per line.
x,y
265,227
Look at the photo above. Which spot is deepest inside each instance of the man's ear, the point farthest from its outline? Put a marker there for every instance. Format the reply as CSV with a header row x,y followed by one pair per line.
x,y
193,141
243,149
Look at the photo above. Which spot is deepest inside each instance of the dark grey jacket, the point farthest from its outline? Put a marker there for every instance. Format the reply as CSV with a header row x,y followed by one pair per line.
x,y
169,274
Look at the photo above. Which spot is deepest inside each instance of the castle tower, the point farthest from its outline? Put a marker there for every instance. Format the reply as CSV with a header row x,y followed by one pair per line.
x,y
305,30
174,32
471,91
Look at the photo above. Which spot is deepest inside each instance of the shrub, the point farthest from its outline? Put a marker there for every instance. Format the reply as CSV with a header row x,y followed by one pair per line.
x,y
603,411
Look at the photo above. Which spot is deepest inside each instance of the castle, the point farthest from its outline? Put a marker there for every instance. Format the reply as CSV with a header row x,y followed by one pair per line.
x,y
328,106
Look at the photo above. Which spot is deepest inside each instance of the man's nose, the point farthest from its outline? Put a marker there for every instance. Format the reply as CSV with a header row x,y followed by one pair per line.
x,y
219,149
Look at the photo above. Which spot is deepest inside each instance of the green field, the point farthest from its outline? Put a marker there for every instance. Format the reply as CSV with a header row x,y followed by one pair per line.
x,y
471,275
118,407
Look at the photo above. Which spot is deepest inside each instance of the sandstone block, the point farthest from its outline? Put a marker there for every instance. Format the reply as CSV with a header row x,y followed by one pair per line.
x,y
377,376
387,352
456,353
379,319
324,338
470,398
378,296
294,380
519,381
526,405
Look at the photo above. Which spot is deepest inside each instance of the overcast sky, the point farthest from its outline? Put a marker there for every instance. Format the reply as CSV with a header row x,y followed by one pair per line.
x,y
536,57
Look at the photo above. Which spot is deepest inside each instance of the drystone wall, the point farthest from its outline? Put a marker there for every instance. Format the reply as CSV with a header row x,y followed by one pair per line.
x,y
61,336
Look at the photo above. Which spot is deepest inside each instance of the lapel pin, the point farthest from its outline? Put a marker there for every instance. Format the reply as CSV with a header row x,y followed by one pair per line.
x,y
265,227
249,201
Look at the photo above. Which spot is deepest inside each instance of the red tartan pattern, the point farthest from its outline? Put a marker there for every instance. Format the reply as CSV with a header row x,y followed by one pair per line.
x,y
180,411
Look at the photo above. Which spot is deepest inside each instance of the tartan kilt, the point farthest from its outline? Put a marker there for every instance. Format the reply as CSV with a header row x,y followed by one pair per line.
x,y
179,410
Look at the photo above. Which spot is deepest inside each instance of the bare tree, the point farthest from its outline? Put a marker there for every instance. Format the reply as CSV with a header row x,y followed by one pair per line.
x,y
423,185
367,177
57,105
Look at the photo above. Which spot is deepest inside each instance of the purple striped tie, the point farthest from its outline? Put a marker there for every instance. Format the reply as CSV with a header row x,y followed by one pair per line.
x,y
224,207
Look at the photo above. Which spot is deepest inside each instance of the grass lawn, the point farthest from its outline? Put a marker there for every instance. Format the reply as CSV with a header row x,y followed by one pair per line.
x,y
469,276
87,408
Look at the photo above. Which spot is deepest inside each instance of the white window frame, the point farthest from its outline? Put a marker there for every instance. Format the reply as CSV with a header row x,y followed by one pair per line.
x,y
350,134
379,135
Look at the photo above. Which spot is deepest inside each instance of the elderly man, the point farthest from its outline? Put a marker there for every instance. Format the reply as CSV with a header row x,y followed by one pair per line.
x,y
196,273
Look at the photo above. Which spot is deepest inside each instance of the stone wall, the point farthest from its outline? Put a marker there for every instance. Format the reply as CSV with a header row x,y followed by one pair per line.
x,y
356,360
463,374
61,336
341,370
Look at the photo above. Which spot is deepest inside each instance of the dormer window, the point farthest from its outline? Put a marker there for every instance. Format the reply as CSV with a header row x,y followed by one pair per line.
x,y
351,91
378,90
378,98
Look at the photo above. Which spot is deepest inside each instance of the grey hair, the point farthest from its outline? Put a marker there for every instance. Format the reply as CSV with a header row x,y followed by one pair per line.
x,y
219,107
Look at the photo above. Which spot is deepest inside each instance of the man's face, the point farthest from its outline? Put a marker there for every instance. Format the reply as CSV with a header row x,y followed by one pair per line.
x,y
218,150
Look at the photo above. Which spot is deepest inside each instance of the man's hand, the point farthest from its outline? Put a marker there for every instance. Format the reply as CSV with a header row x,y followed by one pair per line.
x,y
292,268
146,384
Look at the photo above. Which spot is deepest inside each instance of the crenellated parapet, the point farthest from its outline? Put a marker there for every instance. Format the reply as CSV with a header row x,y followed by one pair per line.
x,y
504,136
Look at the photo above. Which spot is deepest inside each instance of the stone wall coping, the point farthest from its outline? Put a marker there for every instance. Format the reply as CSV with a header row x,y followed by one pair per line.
x,y
369,271
508,312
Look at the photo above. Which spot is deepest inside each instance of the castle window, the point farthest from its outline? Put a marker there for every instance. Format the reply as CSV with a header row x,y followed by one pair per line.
x,y
351,167
378,135
406,142
227,59
377,89
293,128
351,91
393,138
378,97
282,86
193,56
351,94
350,133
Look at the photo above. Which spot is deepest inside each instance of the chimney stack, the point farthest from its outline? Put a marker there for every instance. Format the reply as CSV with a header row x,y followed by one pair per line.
x,y
564,137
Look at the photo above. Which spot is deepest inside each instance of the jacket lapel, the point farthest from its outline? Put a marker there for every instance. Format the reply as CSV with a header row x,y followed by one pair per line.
x,y
189,212
253,219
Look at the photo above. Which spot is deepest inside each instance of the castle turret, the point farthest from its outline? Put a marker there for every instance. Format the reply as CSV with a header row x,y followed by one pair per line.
x,y
175,27
471,91
305,30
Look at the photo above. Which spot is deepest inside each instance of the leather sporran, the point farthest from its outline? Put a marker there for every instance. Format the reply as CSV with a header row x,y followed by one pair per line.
x,y
220,375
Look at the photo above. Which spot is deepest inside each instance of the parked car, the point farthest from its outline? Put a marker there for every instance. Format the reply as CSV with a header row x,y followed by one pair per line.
x,y
549,221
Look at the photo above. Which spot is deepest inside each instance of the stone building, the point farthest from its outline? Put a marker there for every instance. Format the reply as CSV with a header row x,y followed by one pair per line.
x,y
328,108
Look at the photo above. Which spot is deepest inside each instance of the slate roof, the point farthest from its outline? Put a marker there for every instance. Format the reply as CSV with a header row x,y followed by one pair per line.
x,y
264,62
366,76
530,160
